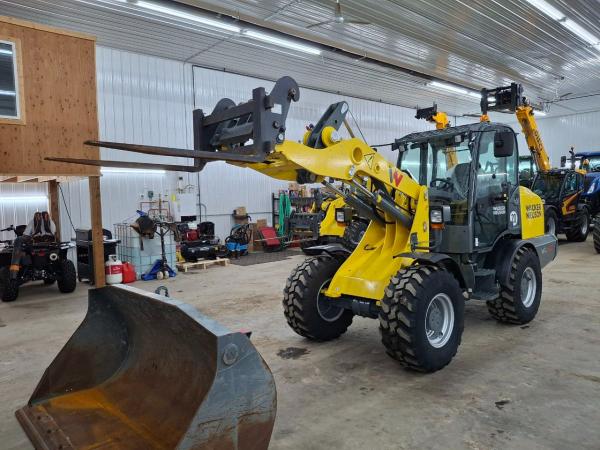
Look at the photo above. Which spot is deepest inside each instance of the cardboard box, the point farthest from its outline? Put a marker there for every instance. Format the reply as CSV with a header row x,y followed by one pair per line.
x,y
240,211
260,223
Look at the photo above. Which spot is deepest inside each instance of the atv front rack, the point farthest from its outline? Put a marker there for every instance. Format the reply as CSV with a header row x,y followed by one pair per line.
x,y
245,133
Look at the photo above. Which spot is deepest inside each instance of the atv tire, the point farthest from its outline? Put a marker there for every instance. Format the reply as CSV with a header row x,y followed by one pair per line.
x,y
308,314
520,299
354,233
580,232
422,318
67,279
9,289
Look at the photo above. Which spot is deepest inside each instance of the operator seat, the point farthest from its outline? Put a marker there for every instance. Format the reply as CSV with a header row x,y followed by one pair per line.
x,y
460,179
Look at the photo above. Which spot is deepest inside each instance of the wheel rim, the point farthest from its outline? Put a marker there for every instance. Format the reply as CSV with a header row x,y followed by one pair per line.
x,y
584,224
439,320
528,287
325,307
552,226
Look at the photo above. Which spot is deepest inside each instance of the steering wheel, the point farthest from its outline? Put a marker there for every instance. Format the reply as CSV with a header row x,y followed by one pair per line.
x,y
446,184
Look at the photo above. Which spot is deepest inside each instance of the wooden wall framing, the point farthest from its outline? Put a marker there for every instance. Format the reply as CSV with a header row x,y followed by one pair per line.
x,y
57,76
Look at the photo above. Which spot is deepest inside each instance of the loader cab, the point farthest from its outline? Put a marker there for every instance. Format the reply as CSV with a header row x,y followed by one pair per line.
x,y
560,188
472,175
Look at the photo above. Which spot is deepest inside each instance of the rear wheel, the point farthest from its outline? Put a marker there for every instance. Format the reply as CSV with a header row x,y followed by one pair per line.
x,y
596,234
551,221
9,289
580,232
307,311
422,318
67,279
354,233
520,299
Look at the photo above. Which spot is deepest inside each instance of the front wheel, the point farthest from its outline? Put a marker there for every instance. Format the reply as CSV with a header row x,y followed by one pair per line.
x,y
580,232
422,318
307,311
520,299
67,279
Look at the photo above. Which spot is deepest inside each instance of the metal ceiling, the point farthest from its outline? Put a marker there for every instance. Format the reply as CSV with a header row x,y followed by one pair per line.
x,y
477,43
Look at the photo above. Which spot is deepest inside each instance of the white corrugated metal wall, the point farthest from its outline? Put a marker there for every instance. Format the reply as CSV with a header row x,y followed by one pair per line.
x,y
148,100
17,212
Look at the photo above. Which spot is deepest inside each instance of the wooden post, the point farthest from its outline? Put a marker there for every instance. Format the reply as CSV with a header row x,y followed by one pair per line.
x,y
97,238
54,206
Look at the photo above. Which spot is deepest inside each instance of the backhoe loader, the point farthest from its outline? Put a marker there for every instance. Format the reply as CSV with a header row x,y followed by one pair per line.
x,y
437,237
565,209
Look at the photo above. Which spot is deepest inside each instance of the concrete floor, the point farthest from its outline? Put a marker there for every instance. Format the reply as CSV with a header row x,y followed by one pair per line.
x,y
509,387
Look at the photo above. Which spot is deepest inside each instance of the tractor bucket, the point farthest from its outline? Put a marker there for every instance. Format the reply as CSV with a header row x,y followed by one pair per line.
x,y
146,372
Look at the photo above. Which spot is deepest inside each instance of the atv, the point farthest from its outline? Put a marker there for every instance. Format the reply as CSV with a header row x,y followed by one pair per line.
x,y
45,261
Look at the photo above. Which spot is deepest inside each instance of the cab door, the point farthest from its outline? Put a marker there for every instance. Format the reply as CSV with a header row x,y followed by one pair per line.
x,y
571,191
496,189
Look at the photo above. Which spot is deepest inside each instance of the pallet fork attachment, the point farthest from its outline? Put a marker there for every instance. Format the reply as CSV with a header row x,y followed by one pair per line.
x,y
147,372
244,133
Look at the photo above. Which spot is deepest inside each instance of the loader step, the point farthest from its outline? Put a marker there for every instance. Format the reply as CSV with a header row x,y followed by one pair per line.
x,y
203,264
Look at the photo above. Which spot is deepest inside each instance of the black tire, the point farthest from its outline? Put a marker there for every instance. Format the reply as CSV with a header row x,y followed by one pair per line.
x,y
596,234
8,288
513,306
301,300
67,278
551,222
306,244
354,233
580,232
403,317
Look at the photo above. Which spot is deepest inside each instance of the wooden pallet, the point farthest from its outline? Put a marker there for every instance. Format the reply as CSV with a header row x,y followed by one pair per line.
x,y
203,264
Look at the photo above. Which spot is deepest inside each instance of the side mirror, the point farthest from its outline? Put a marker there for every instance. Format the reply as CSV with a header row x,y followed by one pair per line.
x,y
504,144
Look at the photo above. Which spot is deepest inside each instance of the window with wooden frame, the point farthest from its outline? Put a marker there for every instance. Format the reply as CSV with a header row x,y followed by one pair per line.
x,y
11,82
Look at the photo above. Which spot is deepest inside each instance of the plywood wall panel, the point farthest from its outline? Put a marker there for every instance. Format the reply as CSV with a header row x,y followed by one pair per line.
x,y
59,76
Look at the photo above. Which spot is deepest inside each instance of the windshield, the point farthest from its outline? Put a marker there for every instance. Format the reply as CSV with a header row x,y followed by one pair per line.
x,y
431,162
526,167
443,164
594,163
547,185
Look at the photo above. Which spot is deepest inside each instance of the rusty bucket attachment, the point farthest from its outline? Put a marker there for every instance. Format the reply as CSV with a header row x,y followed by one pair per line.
x,y
146,372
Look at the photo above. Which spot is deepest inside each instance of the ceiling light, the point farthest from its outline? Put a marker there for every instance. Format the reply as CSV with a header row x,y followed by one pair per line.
x,y
5,52
547,9
25,198
293,45
188,16
8,93
581,32
140,171
569,24
456,89
449,87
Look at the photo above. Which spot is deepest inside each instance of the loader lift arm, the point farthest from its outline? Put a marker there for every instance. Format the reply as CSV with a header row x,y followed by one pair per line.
x,y
510,99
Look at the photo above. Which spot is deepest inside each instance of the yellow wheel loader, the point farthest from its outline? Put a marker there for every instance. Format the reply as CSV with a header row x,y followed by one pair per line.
x,y
439,234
